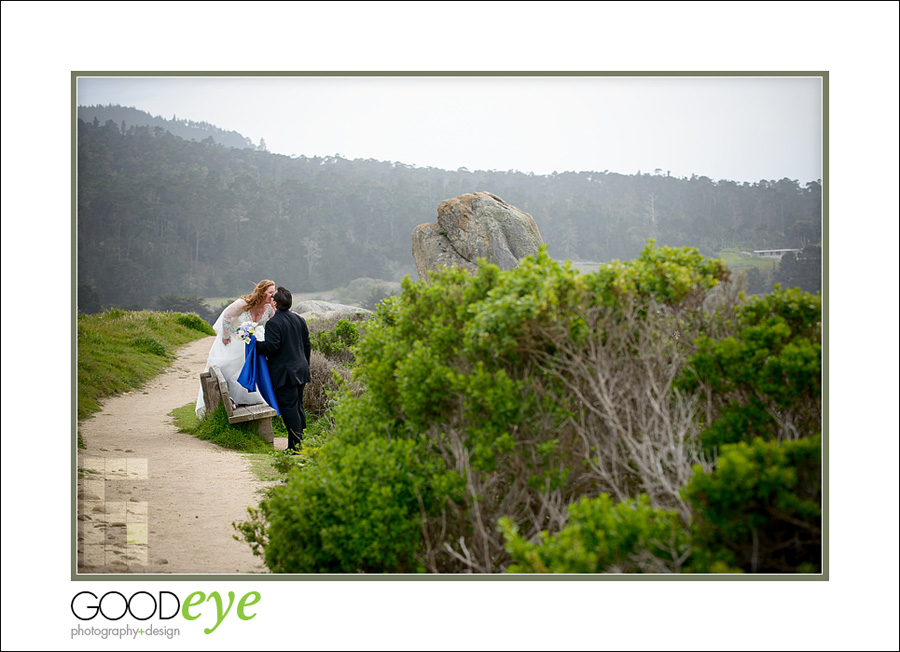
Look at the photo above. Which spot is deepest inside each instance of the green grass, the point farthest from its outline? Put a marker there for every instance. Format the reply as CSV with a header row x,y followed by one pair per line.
x,y
215,428
266,463
734,260
238,437
317,431
261,466
119,350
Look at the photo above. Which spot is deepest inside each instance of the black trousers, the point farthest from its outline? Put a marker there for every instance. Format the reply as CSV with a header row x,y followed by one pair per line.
x,y
290,403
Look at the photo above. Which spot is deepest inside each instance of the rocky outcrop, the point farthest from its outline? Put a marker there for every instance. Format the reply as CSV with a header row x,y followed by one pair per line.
x,y
326,309
432,249
472,226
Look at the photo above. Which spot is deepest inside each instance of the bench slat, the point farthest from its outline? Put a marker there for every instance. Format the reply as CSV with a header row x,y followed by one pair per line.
x,y
244,413
215,389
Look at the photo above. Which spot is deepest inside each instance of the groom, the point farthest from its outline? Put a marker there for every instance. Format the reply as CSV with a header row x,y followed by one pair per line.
x,y
287,349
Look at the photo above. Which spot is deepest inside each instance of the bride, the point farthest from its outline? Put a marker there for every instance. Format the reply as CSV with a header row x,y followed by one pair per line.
x,y
227,352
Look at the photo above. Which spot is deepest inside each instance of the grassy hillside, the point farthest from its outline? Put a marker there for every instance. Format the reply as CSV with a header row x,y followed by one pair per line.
x,y
119,350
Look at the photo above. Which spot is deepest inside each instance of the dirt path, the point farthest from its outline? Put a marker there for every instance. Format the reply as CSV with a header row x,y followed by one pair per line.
x,y
154,500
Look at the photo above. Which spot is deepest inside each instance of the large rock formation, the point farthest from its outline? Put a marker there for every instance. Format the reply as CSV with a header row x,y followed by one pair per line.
x,y
314,309
473,226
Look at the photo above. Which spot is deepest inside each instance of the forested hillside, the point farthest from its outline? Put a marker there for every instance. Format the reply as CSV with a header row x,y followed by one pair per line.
x,y
128,119
158,214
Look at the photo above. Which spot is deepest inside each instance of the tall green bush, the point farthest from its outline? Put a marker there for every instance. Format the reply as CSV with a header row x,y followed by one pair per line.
x,y
543,420
336,343
764,379
603,536
759,508
331,359
353,508
480,377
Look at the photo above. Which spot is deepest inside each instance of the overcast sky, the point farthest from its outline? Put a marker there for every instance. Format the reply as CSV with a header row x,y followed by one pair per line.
x,y
737,128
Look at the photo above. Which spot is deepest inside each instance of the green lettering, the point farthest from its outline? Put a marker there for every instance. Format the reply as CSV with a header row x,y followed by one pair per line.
x,y
244,603
189,602
219,615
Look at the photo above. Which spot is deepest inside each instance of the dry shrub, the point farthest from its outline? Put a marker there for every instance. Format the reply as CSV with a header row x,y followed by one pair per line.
x,y
638,434
318,394
629,431
320,324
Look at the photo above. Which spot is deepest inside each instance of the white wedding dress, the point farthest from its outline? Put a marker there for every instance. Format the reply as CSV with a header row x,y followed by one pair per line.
x,y
230,358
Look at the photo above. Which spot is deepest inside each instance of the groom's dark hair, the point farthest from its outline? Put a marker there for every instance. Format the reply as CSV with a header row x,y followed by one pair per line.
x,y
283,299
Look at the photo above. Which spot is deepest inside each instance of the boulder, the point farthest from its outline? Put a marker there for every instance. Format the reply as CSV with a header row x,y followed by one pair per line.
x,y
310,310
432,249
472,226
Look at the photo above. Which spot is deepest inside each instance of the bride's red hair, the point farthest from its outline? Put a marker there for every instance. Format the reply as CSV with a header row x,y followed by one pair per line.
x,y
258,295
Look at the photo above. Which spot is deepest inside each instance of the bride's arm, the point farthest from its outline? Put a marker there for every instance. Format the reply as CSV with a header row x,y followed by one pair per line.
x,y
229,317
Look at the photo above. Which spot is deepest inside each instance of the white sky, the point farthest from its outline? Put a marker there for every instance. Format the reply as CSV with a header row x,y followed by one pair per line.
x,y
857,43
737,128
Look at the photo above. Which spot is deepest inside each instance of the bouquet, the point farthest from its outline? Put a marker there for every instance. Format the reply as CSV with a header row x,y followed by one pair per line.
x,y
246,330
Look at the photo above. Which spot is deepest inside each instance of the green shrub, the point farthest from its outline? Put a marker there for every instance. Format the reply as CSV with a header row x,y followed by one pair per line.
x,y
496,402
337,343
278,427
150,345
473,406
765,379
354,508
604,537
760,509
284,461
195,322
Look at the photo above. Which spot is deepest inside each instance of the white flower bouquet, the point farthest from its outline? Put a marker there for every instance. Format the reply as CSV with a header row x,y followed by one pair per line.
x,y
246,330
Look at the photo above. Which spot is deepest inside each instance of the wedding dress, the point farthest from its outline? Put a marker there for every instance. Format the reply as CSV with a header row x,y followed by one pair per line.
x,y
230,358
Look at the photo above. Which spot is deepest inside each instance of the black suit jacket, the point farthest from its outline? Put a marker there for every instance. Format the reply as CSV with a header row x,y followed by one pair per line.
x,y
287,349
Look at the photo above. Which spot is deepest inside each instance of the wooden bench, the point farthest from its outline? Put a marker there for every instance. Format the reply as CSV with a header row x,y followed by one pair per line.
x,y
215,391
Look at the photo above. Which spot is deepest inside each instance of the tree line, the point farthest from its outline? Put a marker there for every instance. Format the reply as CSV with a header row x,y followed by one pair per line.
x,y
128,119
162,215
